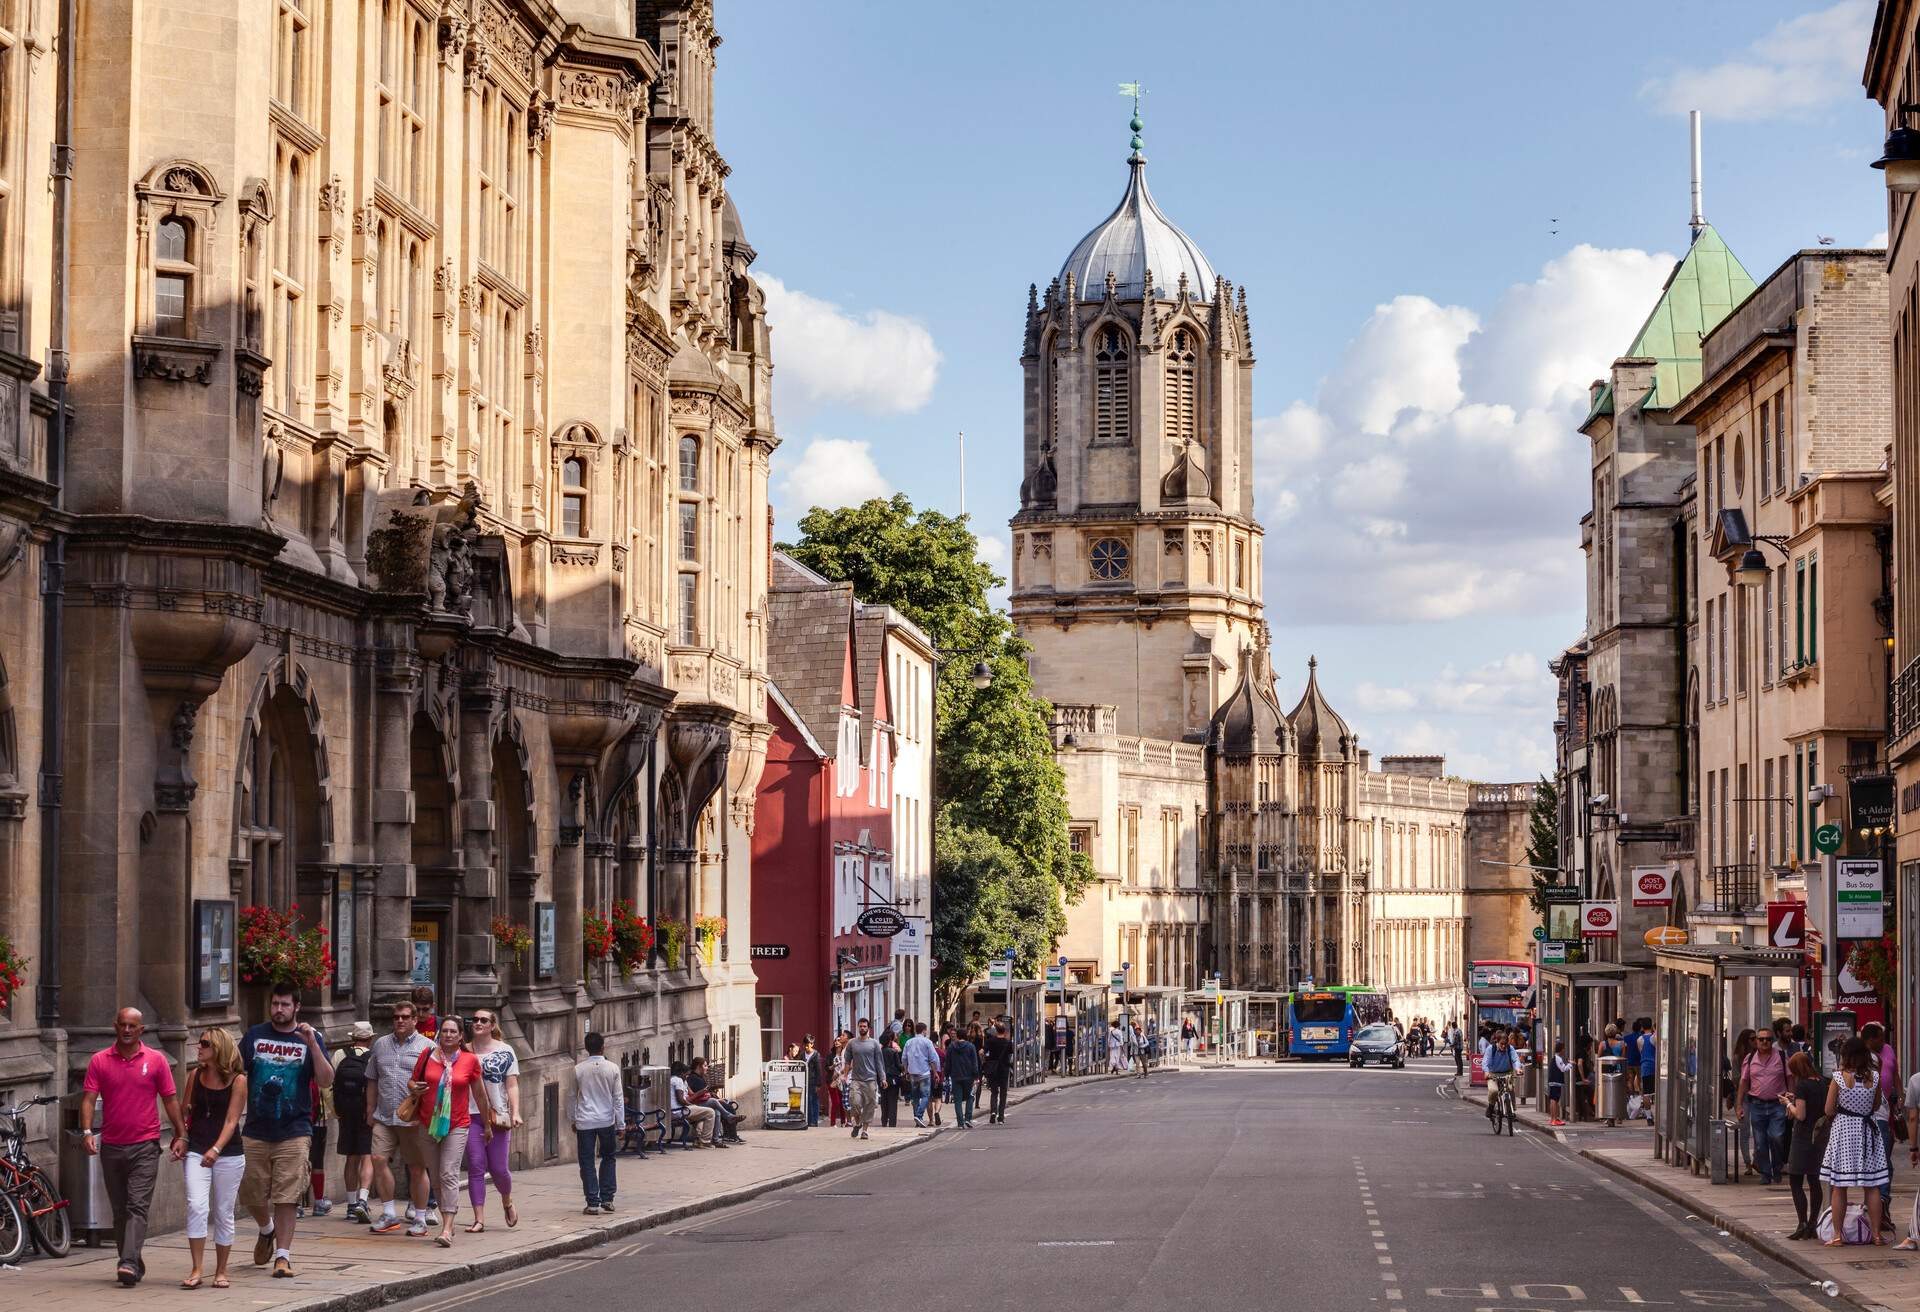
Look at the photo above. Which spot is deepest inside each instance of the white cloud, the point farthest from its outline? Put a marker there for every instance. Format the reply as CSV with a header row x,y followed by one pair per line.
x,y
831,472
880,362
1437,474
1803,64
1878,241
1490,721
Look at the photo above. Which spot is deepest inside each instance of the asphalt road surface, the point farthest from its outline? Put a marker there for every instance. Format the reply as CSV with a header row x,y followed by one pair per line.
x,y
1309,1187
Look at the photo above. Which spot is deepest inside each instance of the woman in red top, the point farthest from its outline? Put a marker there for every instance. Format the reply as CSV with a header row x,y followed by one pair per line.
x,y
447,1077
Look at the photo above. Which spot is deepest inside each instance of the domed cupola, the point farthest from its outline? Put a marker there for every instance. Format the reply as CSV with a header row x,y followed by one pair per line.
x,y
1134,238
1249,721
1323,735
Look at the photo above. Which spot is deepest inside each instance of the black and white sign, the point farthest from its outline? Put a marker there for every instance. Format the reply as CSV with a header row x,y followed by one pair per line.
x,y
880,922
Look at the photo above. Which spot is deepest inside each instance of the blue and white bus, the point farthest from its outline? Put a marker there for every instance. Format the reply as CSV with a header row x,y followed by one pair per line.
x,y
1322,1022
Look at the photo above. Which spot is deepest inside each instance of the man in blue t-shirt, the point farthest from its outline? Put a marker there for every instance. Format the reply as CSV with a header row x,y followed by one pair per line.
x,y
285,1060
1498,1064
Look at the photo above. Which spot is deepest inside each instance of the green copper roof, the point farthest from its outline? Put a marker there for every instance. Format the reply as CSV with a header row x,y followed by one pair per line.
x,y
1703,289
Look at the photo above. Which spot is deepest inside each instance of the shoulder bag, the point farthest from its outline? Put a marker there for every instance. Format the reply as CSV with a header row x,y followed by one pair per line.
x,y
409,1109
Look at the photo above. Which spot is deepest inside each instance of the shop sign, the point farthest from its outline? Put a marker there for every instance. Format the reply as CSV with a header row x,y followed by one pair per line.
x,y
1666,936
1786,924
1870,802
1600,919
1653,886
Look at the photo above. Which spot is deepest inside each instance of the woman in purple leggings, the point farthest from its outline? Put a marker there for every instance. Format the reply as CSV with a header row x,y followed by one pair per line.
x,y
496,1115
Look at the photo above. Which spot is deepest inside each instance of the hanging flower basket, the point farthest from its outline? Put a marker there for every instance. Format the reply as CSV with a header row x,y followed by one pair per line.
x,y
13,972
275,950
632,938
597,936
673,942
512,938
1875,961
709,930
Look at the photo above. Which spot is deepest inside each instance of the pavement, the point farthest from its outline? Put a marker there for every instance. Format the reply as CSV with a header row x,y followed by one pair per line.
x,y
343,1267
1264,1186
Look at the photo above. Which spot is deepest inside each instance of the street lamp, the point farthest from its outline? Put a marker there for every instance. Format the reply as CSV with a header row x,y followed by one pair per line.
x,y
1900,160
982,675
1753,568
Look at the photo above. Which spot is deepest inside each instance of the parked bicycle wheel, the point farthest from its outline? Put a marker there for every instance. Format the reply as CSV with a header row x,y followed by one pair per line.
x,y
47,1213
13,1230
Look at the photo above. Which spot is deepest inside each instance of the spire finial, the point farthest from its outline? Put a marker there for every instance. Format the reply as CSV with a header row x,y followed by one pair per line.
x,y
1135,90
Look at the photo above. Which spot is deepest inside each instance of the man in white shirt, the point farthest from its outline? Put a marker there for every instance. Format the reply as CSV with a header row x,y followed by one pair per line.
x,y
599,1112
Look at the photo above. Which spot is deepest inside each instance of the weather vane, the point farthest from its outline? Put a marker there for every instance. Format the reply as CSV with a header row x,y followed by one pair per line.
x,y
1135,90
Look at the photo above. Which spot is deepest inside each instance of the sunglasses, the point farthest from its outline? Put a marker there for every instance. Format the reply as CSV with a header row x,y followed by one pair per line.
x,y
206,1043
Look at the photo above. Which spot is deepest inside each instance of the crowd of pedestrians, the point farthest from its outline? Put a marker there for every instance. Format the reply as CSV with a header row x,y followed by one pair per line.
x,y
861,1079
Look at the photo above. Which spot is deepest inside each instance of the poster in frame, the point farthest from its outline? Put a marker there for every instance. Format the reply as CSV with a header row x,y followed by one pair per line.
x,y
544,923
344,940
213,930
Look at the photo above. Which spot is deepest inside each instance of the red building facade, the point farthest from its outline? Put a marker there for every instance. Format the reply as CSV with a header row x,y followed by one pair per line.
x,y
823,829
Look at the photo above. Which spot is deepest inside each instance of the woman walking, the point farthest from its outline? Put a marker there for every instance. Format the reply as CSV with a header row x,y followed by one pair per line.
x,y
837,1093
809,1054
447,1078
890,1070
1856,1156
496,1106
1806,1104
1558,1069
216,1093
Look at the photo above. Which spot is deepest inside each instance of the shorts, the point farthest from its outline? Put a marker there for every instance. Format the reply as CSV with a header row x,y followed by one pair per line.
x,y
356,1136
1646,1081
277,1172
405,1143
1556,1092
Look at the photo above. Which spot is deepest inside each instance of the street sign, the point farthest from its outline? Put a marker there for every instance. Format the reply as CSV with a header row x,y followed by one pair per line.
x,y
1212,988
1827,838
912,940
999,972
1600,919
1857,881
769,951
1860,920
1539,933
1786,924
1665,936
1653,886
880,922
1054,977
1553,953
1117,981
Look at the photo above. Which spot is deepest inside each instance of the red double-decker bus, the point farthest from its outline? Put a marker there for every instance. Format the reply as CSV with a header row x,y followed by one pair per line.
x,y
1498,993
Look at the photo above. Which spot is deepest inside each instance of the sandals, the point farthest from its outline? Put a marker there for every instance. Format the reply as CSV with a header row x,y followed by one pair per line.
x,y
443,1241
191,1282
1907,1245
1835,1242
513,1214
221,1282
478,1227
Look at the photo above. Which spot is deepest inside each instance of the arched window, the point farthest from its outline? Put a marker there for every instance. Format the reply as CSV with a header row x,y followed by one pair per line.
x,y
1112,409
173,272
689,464
573,497
1183,408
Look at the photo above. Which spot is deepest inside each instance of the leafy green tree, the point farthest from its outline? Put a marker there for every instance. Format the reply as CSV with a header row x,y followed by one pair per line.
x,y
1543,840
1003,868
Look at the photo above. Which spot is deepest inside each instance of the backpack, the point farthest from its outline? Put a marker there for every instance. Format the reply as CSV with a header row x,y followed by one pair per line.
x,y
350,1080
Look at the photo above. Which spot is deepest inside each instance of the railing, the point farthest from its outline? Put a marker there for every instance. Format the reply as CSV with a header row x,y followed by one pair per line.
x,y
1906,701
1084,718
1736,888
1680,838
1498,794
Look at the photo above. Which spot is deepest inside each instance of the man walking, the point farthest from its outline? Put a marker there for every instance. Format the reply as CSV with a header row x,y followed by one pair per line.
x,y
997,1064
963,1069
921,1061
127,1079
866,1072
1458,1042
599,1112
356,1126
286,1060
396,1143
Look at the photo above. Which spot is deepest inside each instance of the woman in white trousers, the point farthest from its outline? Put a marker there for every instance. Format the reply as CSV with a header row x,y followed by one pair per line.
x,y
213,1164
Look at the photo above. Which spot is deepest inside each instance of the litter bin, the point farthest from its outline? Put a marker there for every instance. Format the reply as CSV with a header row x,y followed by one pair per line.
x,y
88,1210
1613,1089
1720,1148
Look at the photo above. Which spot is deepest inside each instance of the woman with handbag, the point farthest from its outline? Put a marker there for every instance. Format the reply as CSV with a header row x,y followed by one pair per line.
x,y
447,1077
1806,1104
496,1106
1856,1156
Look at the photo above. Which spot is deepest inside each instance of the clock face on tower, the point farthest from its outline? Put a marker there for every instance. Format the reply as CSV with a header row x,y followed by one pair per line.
x,y
1110,559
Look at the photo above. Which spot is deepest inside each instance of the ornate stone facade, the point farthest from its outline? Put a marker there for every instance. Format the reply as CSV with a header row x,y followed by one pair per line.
x,y
1226,834
411,428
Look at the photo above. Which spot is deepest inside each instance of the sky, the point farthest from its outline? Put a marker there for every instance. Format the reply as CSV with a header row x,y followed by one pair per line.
x,y
1448,219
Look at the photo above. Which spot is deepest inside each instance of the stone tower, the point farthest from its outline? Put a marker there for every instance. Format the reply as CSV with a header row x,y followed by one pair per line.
x,y
1137,557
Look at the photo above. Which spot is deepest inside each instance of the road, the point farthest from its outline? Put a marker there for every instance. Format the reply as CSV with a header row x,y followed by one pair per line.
x,y
1309,1187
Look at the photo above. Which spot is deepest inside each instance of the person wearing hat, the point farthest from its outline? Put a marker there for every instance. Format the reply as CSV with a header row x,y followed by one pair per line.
x,y
356,1128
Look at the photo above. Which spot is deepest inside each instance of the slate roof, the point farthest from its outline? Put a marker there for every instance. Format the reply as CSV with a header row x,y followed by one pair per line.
x,y
807,631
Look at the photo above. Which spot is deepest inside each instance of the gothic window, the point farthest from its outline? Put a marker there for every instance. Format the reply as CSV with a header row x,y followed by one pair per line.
x,y
286,317
1239,566
1112,402
265,822
173,276
689,617
689,531
1183,410
689,464
1110,559
406,65
292,50
573,497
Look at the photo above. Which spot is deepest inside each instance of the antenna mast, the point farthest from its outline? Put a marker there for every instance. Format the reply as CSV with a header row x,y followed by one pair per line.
x,y
963,472
1699,220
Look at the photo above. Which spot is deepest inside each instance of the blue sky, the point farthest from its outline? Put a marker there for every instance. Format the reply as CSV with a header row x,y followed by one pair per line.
x,y
1448,219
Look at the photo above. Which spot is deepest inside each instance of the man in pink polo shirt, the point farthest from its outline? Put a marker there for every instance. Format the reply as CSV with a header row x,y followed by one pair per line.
x,y
128,1078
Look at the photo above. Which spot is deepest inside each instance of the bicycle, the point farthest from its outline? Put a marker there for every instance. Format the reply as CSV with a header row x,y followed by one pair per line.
x,y
1500,1103
28,1190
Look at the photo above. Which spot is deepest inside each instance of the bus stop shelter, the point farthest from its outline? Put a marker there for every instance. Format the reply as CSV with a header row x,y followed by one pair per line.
x,y
1089,1011
1224,1033
1701,991
1156,1011
1267,1018
1024,1002
1576,1003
